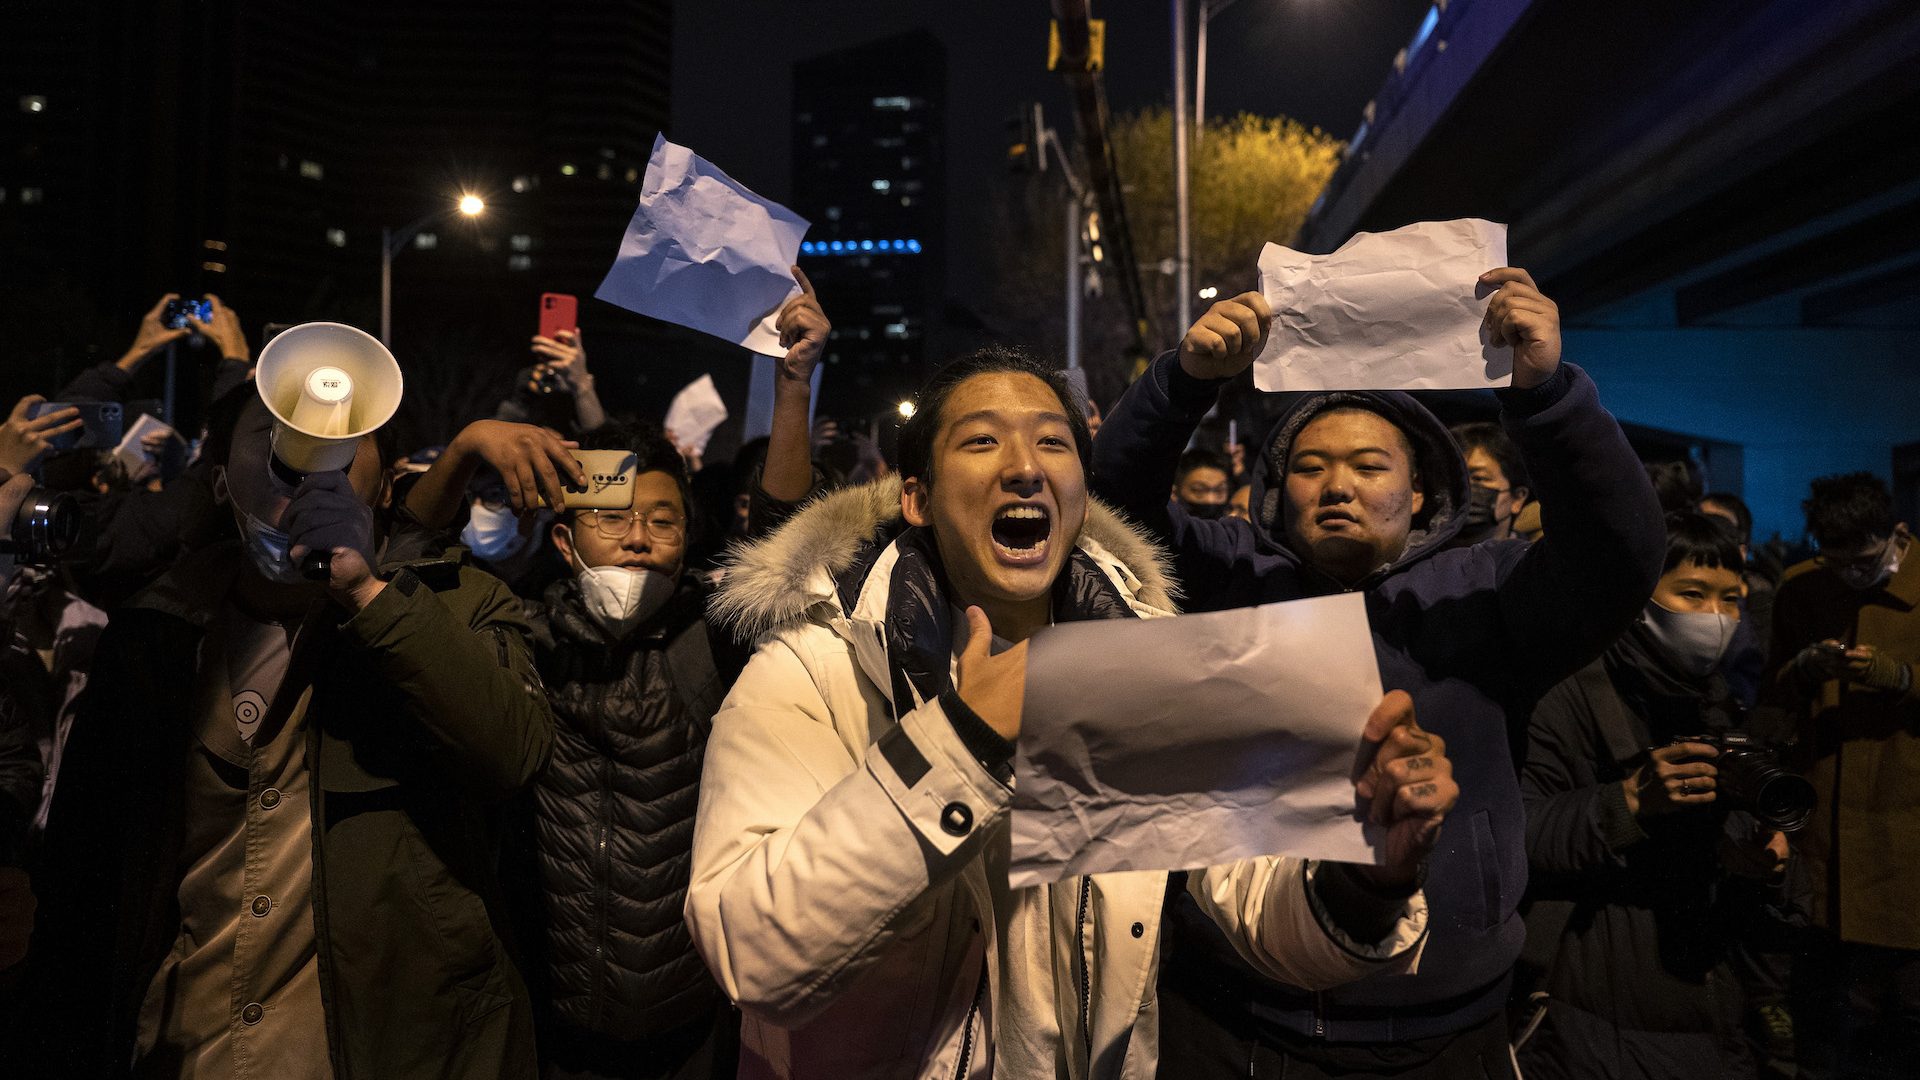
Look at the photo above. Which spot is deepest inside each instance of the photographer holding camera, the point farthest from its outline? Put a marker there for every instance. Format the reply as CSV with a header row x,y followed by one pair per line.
x,y
1629,848
557,391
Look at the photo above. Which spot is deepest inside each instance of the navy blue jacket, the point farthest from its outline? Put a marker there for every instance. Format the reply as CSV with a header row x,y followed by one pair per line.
x,y
1474,634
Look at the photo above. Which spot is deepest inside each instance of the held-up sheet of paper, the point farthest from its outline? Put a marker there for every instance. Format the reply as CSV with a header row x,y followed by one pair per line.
x,y
705,252
1397,310
1172,744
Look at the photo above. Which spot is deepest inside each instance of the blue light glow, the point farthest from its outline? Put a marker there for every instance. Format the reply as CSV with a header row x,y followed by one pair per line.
x,y
1427,24
859,247
866,245
913,246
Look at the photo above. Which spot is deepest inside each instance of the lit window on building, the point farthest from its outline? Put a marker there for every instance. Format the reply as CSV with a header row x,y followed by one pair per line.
x,y
906,200
833,213
426,241
819,140
312,170
883,185
633,176
897,331
607,152
604,172
33,103
907,164
522,184
901,103
31,195
519,262
337,237
567,170
520,242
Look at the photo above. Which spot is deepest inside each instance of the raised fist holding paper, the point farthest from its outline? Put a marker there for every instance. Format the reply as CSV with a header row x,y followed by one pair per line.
x,y
1519,315
1227,338
1410,787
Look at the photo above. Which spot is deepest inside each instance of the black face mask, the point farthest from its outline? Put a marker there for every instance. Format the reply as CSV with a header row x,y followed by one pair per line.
x,y
1479,517
1207,511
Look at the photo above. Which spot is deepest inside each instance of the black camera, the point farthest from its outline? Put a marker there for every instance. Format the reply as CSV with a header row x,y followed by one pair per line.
x,y
44,529
1751,779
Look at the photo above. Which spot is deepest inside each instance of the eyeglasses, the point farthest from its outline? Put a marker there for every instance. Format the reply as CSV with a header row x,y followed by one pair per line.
x,y
1866,562
616,524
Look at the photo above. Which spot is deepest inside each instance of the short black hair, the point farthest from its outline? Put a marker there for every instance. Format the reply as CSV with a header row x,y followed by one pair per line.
x,y
1734,504
918,433
1674,485
1849,510
1198,458
1701,539
650,445
1490,437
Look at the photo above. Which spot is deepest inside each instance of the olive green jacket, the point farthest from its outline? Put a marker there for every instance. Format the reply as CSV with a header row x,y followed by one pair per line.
x,y
426,714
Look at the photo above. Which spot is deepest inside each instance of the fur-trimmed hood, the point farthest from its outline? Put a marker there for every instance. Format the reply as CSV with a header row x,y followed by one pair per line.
x,y
776,582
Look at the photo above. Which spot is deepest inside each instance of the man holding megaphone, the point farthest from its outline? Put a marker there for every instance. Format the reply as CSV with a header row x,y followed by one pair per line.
x,y
272,850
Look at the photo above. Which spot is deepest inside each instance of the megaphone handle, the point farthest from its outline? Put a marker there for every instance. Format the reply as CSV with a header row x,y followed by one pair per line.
x,y
317,565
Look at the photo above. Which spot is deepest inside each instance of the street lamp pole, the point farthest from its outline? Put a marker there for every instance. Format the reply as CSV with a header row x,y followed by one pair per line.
x,y
392,240
1183,233
1208,9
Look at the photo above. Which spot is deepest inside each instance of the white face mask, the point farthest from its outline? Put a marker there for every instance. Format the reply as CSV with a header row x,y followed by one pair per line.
x,y
1696,640
621,598
267,548
492,534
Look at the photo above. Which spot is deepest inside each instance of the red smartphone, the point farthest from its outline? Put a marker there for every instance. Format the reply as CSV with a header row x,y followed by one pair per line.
x,y
558,311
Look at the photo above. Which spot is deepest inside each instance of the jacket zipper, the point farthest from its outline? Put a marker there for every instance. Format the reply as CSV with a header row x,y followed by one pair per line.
x,y
1086,975
1319,1015
602,874
973,1014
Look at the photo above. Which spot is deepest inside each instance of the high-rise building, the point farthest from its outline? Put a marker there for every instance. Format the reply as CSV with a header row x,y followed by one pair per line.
x,y
258,149
869,172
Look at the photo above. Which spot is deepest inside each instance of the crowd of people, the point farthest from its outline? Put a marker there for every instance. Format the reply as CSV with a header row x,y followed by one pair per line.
x,y
717,782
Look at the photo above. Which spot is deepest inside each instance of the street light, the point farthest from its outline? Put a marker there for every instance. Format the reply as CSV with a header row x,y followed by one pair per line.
x,y
1208,9
392,240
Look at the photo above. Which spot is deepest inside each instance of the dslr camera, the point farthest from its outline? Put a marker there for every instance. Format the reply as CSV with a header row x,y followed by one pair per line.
x,y
1751,779
44,528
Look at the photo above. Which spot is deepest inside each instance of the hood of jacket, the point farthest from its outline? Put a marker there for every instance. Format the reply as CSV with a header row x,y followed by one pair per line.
x,y
1442,468
850,561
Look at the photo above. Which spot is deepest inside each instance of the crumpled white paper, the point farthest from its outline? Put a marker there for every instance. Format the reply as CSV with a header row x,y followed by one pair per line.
x,y
696,411
704,252
1397,310
1173,744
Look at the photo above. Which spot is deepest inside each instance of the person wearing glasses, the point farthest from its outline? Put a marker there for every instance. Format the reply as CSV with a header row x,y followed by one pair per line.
x,y
1841,675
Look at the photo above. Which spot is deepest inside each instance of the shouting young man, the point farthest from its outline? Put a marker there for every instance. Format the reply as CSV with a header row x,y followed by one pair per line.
x,y
850,853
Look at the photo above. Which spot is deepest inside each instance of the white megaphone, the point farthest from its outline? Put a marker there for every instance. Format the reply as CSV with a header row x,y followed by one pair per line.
x,y
327,385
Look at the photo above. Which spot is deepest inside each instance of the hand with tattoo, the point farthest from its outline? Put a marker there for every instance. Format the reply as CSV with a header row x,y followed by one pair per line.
x,y
1406,783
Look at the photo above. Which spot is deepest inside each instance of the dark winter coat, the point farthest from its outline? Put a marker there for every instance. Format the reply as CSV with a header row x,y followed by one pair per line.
x,y
1474,634
426,714
614,811
1628,920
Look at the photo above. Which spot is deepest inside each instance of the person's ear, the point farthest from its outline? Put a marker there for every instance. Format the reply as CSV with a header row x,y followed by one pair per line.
x,y
913,502
562,535
221,493
1520,497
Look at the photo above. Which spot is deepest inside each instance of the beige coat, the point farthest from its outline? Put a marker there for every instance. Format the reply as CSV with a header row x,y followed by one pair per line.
x,y
842,905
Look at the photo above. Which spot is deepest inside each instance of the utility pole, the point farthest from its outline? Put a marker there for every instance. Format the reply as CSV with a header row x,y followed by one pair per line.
x,y
1183,234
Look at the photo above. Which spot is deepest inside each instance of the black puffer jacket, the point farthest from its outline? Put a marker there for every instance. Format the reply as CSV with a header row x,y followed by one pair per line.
x,y
613,813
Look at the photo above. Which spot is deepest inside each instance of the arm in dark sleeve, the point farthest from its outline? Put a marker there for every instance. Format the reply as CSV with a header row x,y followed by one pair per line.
x,y
1605,536
1134,458
765,513
470,686
127,539
102,382
1575,828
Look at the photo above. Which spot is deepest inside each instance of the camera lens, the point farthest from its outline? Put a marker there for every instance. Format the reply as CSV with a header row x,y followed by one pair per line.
x,y
45,527
1782,800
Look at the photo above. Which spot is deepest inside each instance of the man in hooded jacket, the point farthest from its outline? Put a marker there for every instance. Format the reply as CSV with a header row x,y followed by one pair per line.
x,y
1363,491
850,853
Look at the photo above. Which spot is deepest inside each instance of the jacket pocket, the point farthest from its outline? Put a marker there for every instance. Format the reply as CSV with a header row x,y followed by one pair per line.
x,y
466,957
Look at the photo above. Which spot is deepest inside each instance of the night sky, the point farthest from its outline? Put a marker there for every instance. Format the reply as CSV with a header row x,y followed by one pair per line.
x,y
1318,61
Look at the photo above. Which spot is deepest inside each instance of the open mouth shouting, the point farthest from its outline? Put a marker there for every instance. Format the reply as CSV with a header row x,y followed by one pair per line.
x,y
1021,532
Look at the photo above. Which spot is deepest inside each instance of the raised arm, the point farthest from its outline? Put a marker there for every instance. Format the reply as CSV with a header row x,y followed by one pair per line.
x,y
1140,443
1606,536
